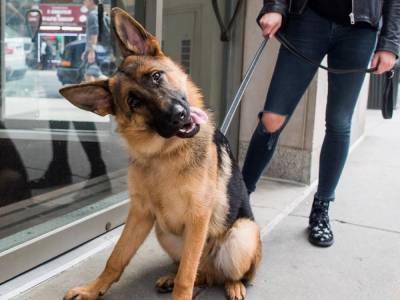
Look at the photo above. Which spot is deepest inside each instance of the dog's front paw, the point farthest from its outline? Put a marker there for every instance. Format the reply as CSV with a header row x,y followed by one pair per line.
x,y
82,293
182,294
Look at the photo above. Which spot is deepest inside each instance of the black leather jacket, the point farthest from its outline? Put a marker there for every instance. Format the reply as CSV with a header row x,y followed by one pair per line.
x,y
370,11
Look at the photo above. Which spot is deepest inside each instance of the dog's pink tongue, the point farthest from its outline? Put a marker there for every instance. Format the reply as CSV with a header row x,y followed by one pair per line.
x,y
198,115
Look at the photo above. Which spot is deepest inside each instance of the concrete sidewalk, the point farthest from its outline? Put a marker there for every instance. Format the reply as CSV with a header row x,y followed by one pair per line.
x,y
364,263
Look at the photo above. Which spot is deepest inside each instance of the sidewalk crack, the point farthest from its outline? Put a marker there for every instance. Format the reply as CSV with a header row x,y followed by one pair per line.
x,y
352,224
366,226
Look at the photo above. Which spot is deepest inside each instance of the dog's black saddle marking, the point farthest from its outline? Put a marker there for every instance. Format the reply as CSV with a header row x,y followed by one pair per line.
x,y
239,204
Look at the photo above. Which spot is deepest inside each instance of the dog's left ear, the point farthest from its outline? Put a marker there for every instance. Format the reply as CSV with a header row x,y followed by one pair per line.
x,y
132,37
93,96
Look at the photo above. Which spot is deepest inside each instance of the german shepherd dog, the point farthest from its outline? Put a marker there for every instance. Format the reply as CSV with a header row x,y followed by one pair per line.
x,y
182,179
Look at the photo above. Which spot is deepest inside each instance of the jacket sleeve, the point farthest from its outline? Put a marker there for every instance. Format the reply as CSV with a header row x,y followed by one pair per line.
x,y
389,39
279,6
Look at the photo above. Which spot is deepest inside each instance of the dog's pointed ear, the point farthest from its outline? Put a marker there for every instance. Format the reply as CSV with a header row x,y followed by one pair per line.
x,y
92,96
132,37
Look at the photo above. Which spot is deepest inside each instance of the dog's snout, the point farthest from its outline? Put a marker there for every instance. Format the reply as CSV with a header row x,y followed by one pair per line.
x,y
178,115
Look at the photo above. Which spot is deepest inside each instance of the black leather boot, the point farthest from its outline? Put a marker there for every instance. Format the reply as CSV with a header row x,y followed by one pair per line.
x,y
319,231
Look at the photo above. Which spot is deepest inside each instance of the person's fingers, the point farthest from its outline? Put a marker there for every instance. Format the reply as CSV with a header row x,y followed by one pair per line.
x,y
379,69
270,24
274,31
269,32
375,61
388,63
384,66
384,61
266,32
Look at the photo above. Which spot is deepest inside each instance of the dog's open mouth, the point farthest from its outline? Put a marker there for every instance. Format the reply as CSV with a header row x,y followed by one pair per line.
x,y
192,127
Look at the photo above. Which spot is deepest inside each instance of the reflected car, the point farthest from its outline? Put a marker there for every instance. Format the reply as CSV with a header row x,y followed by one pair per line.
x,y
71,67
15,49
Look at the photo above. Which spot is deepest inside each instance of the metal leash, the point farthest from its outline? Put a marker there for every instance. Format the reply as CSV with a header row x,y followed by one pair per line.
x,y
242,88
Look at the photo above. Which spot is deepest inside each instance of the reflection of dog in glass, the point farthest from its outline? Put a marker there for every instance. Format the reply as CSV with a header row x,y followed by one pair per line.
x,y
182,178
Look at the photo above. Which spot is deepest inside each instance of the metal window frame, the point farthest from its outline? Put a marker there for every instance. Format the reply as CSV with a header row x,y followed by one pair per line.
x,y
26,256
2,58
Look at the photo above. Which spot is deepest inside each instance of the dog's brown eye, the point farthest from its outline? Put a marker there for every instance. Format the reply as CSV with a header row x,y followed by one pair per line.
x,y
156,76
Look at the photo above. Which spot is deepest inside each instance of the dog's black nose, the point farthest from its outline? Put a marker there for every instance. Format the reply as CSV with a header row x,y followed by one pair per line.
x,y
178,114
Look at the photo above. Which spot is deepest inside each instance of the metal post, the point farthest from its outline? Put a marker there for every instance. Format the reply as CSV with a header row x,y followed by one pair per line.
x,y
2,58
154,16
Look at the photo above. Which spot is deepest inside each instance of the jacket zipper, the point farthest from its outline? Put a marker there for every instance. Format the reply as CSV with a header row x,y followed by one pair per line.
x,y
352,18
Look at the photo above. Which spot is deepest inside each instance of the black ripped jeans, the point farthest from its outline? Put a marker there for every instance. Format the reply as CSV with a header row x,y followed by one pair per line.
x,y
347,47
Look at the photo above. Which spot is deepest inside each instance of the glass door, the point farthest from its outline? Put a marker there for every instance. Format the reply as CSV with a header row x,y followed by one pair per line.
x,y
59,165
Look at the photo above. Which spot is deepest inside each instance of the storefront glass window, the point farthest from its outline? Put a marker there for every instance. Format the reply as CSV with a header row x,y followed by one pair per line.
x,y
58,164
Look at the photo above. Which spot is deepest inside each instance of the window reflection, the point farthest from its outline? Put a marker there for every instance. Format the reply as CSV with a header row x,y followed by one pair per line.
x,y
13,175
88,59
57,163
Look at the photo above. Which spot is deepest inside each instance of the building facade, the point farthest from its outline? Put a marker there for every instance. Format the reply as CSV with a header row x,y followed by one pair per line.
x,y
62,170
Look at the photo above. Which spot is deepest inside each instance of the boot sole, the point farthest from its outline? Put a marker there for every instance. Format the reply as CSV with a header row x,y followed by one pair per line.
x,y
321,244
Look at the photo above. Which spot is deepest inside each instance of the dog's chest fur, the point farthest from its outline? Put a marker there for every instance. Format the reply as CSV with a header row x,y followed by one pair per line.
x,y
174,188
177,187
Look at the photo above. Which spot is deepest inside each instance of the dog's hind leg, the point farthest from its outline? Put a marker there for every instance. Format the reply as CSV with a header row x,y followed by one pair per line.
x,y
238,257
165,284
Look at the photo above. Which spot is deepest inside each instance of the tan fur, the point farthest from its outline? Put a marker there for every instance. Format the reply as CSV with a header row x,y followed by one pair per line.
x,y
174,184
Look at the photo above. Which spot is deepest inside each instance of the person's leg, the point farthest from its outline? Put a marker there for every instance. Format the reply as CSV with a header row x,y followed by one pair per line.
x,y
310,34
92,150
58,171
351,48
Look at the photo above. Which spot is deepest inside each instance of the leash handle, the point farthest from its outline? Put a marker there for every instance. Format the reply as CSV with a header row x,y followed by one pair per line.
x,y
242,88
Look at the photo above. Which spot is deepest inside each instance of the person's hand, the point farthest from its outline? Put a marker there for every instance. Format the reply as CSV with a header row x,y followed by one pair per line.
x,y
270,24
91,56
384,61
